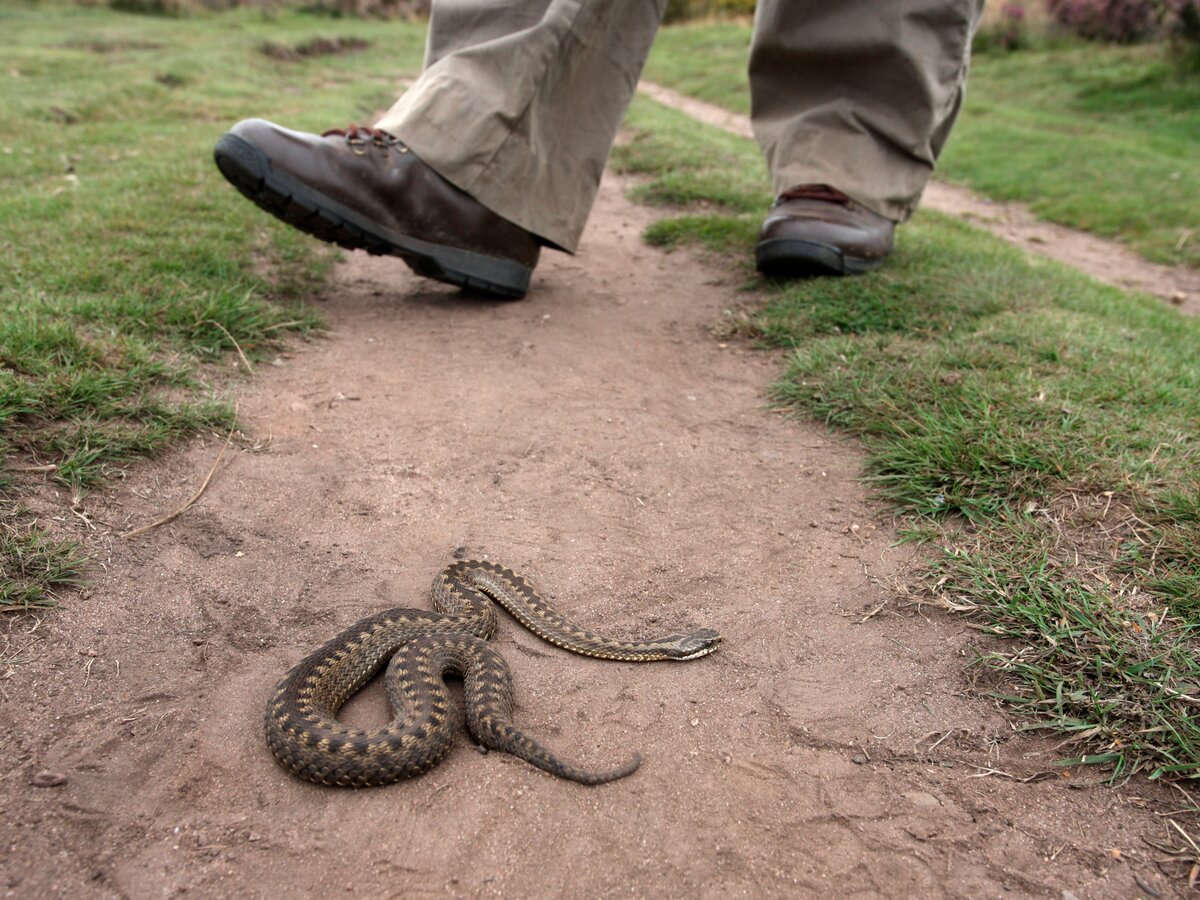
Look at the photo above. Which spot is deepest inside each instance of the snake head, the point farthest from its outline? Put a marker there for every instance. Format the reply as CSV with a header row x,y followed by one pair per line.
x,y
701,642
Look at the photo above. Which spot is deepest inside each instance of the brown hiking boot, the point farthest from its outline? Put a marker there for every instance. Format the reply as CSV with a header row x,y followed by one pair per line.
x,y
814,229
363,189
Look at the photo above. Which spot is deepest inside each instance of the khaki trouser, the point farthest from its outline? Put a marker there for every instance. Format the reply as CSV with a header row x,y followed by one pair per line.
x,y
519,102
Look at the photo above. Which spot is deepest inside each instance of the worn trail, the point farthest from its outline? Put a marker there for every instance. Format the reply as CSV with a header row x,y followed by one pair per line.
x,y
598,438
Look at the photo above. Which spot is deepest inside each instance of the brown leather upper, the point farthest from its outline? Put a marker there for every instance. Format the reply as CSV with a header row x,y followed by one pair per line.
x,y
377,176
820,214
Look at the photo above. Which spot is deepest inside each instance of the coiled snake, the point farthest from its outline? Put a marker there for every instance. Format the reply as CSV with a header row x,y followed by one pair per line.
x,y
424,646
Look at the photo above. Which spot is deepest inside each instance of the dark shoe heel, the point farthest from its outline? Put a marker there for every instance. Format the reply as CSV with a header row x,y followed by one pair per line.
x,y
806,259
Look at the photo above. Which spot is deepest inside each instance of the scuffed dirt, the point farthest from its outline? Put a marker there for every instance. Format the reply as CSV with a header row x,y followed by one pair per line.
x,y
600,439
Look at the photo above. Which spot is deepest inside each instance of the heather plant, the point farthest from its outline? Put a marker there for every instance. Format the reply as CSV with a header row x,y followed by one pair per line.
x,y
1184,17
1183,29
1112,21
1129,21
1007,31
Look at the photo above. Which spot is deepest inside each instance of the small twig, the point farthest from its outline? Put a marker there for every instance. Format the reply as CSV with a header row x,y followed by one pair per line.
x,y
196,496
1190,798
87,519
933,746
987,771
236,346
873,612
278,325
1187,837
898,644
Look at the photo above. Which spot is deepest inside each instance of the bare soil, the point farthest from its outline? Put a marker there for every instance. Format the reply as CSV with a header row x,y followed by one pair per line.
x,y
600,438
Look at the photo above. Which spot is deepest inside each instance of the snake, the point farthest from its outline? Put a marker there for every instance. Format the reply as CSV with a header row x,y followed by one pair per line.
x,y
420,648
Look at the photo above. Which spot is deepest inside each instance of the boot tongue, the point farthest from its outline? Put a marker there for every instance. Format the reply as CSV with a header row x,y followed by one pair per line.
x,y
822,192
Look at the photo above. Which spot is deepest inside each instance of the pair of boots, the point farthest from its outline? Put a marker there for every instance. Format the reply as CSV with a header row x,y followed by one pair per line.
x,y
364,189
497,149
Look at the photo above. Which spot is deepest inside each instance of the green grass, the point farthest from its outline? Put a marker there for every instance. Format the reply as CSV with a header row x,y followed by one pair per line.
x,y
1095,137
707,61
35,564
130,270
1041,429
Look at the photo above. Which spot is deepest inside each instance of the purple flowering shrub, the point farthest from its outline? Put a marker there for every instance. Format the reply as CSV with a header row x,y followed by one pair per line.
x,y
1183,19
1183,29
1012,29
1127,21
1005,32
1113,21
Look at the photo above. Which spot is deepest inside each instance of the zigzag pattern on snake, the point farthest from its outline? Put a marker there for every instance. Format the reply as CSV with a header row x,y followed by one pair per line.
x,y
420,648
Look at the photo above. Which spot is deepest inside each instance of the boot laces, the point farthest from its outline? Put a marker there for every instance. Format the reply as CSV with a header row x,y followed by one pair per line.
x,y
358,136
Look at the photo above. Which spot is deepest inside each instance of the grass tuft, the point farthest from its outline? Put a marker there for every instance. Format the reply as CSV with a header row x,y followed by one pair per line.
x,y
723,234
35,565
1115,673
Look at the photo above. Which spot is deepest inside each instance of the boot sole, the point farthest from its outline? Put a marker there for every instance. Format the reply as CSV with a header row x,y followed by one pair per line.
x,y
249,170
806,259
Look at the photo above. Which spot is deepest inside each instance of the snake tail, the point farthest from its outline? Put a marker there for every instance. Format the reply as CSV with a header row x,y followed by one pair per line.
x,y
487,697
505,737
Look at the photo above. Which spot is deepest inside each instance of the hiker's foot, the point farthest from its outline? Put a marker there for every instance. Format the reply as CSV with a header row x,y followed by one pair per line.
x,y
363,189
814,229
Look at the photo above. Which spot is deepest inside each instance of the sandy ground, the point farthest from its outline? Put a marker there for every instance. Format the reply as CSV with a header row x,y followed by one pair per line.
x,y
600,438
1105,260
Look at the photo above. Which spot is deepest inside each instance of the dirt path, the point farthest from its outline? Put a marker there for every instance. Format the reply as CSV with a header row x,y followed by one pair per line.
x,y
1108,261
597,437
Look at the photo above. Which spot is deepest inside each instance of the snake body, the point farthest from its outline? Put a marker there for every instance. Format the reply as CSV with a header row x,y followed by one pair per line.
x,y
420,648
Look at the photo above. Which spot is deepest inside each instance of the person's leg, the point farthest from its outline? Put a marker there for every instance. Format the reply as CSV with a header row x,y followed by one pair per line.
x,y
857,96
496,150
514,114
519,103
